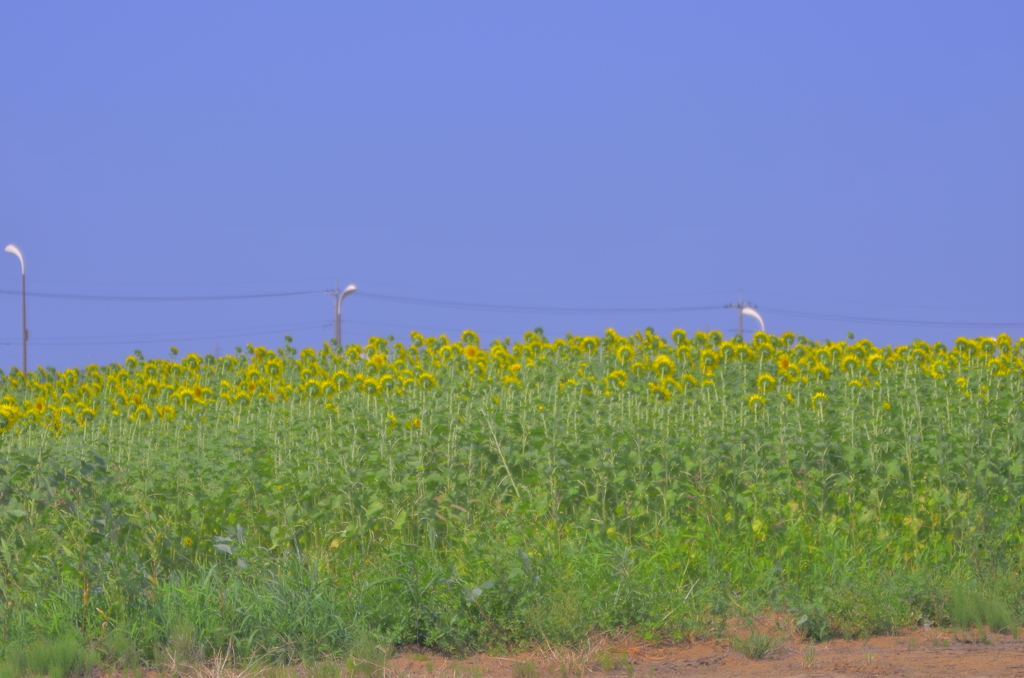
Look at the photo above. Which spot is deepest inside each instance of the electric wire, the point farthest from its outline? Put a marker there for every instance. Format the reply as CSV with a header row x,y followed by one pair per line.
x,y
101,341
506,308
887,321
432,303
224,297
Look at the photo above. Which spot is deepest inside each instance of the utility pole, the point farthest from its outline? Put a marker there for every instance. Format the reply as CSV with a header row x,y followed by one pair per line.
x,y
743,309
13,249
740,308
339,296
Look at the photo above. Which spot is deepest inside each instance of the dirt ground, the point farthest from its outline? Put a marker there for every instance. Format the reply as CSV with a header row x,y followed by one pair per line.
x,y
930,652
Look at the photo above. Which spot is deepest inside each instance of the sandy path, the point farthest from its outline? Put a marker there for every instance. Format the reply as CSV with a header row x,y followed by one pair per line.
x,y
922,653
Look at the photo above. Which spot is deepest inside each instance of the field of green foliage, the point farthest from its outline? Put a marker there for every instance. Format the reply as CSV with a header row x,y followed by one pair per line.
x,y
289,504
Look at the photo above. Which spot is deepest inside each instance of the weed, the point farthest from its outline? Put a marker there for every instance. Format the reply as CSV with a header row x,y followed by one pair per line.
x,y
809,652
969,608
571,662
368,655
325,669
610,660
462,671
525,669
56,659
183,646
757,644
120,650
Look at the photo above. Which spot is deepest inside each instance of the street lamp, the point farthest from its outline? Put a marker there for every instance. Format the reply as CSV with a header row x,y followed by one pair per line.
x,y
747,310
339,296
13,249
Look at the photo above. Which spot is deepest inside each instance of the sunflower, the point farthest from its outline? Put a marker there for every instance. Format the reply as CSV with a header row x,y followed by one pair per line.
x,y
141,413
670,381
966,346
664,365
8,415
709,358
765,383
756,402
616,377
659,391
426,381
85,415
371,386
342,379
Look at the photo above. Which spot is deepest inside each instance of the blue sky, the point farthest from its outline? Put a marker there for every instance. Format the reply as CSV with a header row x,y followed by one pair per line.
x,y
838,162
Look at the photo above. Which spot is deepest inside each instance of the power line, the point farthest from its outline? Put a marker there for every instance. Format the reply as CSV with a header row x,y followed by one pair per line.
x,y
225,297
117,341
886,321
437,303
504,308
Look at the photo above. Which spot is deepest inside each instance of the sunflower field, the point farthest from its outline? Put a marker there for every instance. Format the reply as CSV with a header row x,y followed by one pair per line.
x,y
284,503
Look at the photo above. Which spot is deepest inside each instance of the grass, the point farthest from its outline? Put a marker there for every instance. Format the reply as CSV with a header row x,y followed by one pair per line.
x,y
757,644
60,658
610,661
527,669
368,656
970,608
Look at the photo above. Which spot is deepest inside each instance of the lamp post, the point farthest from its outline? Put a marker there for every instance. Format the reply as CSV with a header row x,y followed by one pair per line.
x,y
747,310
13,249
339,296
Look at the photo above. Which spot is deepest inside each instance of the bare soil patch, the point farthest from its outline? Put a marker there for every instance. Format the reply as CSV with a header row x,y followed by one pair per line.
x,y
931,652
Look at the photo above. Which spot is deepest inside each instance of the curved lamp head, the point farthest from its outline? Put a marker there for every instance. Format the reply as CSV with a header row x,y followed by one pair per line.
x,y
13,249
348,290
754,314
